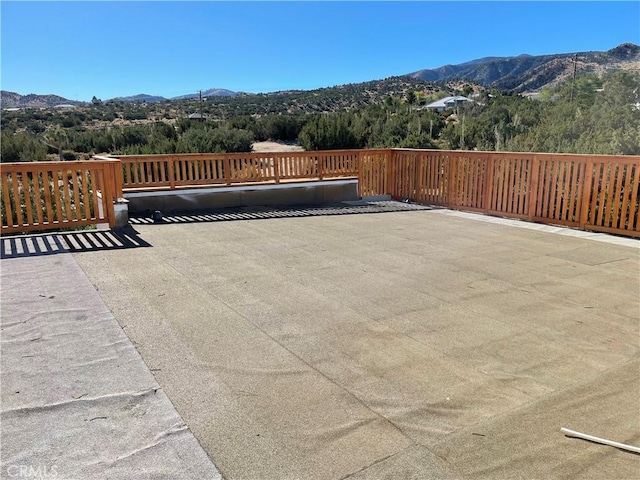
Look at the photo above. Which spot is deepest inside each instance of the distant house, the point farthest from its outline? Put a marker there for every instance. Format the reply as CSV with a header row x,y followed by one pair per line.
x,y
197,117
447,103
531,95
65,106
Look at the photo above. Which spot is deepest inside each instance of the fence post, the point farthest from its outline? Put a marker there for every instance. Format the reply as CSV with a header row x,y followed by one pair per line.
x,y
107,191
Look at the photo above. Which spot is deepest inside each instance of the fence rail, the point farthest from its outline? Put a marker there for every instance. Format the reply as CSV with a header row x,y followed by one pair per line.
x,y
54,195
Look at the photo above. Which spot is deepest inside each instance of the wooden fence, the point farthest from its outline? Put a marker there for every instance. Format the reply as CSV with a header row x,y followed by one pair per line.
x,y
55,195
591,192
145,172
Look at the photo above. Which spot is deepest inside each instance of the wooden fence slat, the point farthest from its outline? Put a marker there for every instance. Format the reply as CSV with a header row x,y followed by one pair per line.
x,y
49,202
522,181
86,213
9,209
16,198
608,199
551,186
136,173
531,188
67,195
76,196
615,212
591,194
571,185
509,189
38,198
94,193
623,214
634,213
499,184
559,189
604,182
480,181
26,191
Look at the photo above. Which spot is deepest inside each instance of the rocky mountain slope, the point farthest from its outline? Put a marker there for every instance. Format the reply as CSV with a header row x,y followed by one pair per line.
x,y
529,73
12,99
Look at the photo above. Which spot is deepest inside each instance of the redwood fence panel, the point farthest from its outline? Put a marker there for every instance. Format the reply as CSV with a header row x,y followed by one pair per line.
x,y
591,192
372,172
149,172
55,195
612,194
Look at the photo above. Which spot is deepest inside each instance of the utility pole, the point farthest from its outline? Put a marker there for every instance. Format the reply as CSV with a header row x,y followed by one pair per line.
x,y
575,65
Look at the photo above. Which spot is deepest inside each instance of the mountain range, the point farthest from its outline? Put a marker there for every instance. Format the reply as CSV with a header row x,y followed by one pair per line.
x,y
143,97
526,73
523,73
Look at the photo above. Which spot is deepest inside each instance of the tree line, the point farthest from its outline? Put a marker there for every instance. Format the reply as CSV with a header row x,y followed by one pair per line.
x,y
590,115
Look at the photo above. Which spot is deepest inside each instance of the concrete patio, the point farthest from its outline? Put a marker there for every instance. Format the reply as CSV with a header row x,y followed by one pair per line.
x,y
406,344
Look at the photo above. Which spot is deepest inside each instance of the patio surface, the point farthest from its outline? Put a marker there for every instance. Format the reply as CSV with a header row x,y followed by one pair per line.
x,y
410,344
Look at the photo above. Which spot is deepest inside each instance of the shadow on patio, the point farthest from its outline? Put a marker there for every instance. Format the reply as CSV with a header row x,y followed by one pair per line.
x,y
260,213
80,241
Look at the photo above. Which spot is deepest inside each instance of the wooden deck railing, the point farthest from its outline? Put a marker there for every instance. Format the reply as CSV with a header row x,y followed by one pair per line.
x,y
591,192
54,195
144,172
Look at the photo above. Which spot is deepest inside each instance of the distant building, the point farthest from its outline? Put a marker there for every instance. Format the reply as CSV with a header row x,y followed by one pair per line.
x,y
447,103
65,106
531,95
12,109
197,117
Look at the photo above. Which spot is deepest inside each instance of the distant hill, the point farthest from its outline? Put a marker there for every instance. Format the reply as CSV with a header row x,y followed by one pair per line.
x,y
144,98
141,98
212,92
339,98
528,72
12,100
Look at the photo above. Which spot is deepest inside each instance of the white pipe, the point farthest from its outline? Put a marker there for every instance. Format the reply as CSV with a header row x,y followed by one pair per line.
x,y
584,436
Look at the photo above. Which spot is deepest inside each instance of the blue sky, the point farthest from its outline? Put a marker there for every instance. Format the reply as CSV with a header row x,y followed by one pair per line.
x,y
108,49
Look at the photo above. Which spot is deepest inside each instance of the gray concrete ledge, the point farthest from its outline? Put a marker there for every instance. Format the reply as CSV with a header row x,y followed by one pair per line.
x,y
307,193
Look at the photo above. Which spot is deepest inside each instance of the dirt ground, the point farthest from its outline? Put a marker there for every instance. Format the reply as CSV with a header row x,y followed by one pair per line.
x,y
276,147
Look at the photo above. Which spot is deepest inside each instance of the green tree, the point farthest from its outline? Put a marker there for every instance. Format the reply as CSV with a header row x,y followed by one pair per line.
x,y
56,137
